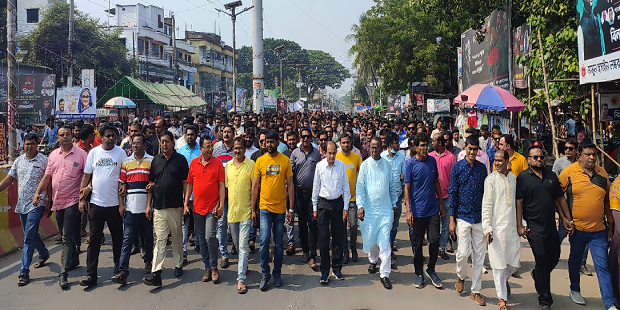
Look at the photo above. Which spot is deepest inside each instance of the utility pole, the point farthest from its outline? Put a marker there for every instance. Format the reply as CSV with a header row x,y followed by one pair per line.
x,y
11,26
70,48
258,64
233,16
175,61
279,50
299,74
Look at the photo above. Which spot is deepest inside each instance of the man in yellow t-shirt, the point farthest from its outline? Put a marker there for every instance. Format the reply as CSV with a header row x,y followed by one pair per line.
x,y
518,162
587,188
352,163
272,173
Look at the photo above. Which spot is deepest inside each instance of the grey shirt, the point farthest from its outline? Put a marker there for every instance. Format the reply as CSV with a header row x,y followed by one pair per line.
x,y
560,164
303,167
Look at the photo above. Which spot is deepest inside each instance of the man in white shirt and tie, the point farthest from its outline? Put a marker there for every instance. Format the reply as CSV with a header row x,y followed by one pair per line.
x,y
330,190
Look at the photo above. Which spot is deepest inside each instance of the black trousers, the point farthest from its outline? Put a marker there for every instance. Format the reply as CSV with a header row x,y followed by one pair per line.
x,y
308,231
546,255
330,214
422,225
98,216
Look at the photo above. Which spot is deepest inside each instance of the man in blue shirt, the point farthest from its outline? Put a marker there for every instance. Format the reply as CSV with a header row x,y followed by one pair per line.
x,y
466,190
423,212
570,126
400,130
51,132
397,161
190,151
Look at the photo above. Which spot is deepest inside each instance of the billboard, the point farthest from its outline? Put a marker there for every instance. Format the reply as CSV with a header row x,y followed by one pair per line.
x,y
598,40
437,105
271,99
488,62
240,99
609,107
35,95
76,103
520,46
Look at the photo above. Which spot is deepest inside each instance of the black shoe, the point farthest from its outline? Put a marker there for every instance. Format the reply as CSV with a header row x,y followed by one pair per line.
x,y
89,281
154,280
345,258
354,255
264,282
63,282
135,249
120,278
224,263
386,283
372,268
178,272
233,251
444,255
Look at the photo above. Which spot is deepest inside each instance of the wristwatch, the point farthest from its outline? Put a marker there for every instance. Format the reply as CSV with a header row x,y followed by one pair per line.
x,y
291,210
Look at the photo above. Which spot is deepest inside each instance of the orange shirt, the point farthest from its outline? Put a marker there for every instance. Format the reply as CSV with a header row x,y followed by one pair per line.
x,y
205,180
586,196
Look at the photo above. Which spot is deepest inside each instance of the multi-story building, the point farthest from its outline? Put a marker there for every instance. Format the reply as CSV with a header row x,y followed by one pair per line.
x,y
148,37
214,66
29,13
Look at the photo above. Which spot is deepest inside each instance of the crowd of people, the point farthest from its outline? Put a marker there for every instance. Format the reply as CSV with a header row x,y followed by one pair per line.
x,y
194,181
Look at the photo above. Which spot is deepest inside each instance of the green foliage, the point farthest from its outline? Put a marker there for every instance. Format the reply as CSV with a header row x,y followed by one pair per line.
x,y
318,69
93,48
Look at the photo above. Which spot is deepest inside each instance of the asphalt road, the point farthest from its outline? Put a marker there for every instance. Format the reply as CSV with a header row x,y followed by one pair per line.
x,y
301,289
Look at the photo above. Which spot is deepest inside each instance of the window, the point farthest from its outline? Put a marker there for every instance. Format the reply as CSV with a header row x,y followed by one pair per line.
x,y
32,16
140,46
154,50
123,40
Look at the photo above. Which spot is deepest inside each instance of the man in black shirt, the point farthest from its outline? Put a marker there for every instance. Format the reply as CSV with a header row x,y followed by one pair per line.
x,y
167,182
538,188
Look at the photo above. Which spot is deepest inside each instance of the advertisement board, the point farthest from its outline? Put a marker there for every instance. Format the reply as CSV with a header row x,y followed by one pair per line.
x,y
488,62
240,99
609,107
598,40
437,105
271,99
76,103
520,46
35,95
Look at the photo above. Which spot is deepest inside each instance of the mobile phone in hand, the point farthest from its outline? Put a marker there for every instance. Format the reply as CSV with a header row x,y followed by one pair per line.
x,y
490,239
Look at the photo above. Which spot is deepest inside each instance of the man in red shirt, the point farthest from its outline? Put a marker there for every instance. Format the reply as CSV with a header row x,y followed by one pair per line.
x,y
206,181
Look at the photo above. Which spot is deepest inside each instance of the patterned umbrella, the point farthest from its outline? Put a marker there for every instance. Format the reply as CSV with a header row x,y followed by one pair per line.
x,y
489,97
120,103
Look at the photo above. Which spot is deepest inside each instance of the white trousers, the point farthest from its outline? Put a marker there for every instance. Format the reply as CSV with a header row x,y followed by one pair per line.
x,y
471,242
386,259
500,277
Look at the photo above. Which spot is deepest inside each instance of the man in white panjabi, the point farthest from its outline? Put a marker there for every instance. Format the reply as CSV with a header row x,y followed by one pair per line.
x,y
499,224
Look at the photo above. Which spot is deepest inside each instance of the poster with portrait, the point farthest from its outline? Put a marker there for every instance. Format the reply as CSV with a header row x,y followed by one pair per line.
x,y
520,46
35,95
271,99
598,40
76,103
488,62
609,107
240,99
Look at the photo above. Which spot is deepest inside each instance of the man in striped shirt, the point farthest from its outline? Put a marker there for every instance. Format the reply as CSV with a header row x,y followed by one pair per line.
x,y
224,153
135,177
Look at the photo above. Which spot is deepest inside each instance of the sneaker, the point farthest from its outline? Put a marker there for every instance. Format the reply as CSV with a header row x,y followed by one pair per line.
x,y
324,279
612,308
419,282
585,271
444,255
338,275
577,298
434,278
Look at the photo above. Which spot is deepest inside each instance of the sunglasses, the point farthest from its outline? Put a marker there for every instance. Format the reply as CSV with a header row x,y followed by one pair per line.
x,y
569,148
536,157
306,136
411,128
322,139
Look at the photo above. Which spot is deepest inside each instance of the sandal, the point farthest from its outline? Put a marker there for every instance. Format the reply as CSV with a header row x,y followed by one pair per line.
x,y
24,279
41,261
501,305
242,290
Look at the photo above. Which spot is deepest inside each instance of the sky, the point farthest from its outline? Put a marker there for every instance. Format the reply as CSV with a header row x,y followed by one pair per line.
x,y
313,24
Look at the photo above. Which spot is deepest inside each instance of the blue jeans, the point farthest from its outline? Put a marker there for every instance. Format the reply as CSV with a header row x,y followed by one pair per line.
x,y
445,221
563,234
399,206
205,227
240,232
598,247
135,224
222,230
32,239
271,222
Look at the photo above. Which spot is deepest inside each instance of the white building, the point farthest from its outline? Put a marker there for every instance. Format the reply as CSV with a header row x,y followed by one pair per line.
x,y
148,37
29,13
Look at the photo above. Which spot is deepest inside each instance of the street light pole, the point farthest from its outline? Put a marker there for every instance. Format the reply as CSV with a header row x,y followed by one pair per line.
x,y
279,50
233,16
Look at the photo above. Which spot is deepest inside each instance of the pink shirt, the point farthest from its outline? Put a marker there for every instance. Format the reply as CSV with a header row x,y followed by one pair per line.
x,y
482,157
66,172
444,167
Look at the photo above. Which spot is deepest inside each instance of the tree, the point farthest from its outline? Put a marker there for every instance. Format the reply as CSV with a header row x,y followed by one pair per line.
x,y
318,69
93,47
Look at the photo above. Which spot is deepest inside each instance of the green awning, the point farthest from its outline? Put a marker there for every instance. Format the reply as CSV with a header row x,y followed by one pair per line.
x,y
170,95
